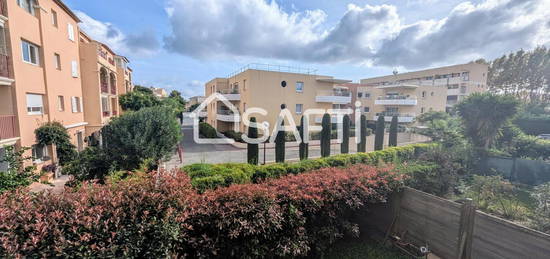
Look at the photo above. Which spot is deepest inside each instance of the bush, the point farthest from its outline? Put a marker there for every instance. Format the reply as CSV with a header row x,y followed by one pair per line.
x,y
17,175
379,133
55,133
162,216
150,133
207,131
91,163
237,136
217,175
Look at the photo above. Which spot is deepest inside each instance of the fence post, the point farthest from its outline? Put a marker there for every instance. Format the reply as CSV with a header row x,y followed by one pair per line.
x,y
466,230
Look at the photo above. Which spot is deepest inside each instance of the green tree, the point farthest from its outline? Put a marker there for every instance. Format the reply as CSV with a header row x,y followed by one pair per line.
x,y
393,132
17,174
150,133
252,149
280,146
304,147
344,149
379,135
484,114
54,133
362,147
137,100
325,135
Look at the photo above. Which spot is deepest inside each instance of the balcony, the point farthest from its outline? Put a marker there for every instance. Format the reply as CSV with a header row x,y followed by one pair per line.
x,y
401,117
333,119
106,114
3,8
8,126
396,100
113,89
337,97
398,85
231,94
227,116
5,70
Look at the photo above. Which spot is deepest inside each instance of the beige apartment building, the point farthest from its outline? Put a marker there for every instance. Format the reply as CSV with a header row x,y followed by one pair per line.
x,y
270,88
105,76
410,94
39,74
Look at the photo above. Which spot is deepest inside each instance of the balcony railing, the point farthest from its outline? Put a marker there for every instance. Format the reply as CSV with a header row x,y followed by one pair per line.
x,y
115,113
339,97
396,100
231,94
396,97
104,87
4,64
8,126
113,89
227,116
401,117
229,91
106,114
391,114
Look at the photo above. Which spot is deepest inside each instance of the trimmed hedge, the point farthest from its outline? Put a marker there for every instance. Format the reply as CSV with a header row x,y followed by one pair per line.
x,y
162,216
207,131
208,176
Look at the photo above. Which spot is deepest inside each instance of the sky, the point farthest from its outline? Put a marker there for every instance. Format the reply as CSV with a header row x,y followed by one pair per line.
x,y
181,44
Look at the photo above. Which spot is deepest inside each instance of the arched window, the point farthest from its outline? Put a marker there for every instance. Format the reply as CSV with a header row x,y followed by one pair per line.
x,y
112,81
103,80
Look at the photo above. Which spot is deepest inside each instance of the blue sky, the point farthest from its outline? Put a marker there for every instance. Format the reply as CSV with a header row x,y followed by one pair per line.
x,y
180,44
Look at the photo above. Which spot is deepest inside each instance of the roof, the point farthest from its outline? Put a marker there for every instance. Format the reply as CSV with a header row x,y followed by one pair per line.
x,y
333,80
67,9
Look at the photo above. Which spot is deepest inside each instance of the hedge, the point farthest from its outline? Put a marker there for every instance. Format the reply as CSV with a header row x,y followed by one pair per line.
x,y
162,216
208,176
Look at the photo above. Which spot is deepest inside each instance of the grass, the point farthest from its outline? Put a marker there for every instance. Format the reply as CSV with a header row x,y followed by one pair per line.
x,y
355,248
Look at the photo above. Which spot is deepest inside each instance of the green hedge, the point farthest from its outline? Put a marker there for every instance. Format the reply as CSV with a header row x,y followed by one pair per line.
x,y
211,176
534,125
207,131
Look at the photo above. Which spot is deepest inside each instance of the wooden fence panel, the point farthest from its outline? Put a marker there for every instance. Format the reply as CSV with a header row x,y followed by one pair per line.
x,y
498,238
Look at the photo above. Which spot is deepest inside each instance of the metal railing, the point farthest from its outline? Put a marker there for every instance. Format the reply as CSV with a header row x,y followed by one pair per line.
x,y
106,114
391,114
229,91
397,97
8,126
104,87
334,93
274,68
4,65
225,112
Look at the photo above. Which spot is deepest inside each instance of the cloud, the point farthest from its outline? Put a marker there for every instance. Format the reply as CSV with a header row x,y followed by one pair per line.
x,y
365,34
143,44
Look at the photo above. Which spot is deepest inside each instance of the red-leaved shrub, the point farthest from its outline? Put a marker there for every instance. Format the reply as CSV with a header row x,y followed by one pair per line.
x,y
163,216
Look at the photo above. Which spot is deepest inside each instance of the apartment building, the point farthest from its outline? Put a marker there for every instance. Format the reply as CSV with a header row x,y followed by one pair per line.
x,y
410,94
272,88
195,100
39,74
159,92
105,75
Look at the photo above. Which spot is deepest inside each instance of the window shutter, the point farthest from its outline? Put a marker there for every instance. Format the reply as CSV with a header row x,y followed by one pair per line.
x,y
74,68
70,30
81,105
74,104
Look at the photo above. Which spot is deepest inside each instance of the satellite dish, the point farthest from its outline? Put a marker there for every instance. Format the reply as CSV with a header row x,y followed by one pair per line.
x,y
395,72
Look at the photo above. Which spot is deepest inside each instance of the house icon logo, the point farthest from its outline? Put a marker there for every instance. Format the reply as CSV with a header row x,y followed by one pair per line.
x,y
236,117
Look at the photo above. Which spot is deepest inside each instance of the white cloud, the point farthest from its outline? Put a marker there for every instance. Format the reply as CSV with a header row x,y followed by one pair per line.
x,y
365,34
142,44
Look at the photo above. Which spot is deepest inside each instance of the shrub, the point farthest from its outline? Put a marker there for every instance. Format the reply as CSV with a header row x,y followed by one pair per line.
x,y
237,136
252,149
345,141
55,133
17,175
379,135
162,216
207,131
393,132
150,133
91,163
325,135
542,211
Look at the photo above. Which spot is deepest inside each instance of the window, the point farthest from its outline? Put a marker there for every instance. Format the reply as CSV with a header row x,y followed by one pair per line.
x,y
35,104
366,109
40,153
244,84
57,60
4,165
30,52
75,104
366,95
423,94
432,93
422,110
60,103
465,76
28,5
359,95
299,87
74,69
105,104
299,108
3,46
70,30
54,18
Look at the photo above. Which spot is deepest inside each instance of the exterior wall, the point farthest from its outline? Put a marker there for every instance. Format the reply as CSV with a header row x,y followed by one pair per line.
x,y
44,78
262,89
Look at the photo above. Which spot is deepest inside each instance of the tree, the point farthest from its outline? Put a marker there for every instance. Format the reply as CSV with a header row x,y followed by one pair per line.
x,y
150,133
393,132
252,149
379,135
54,133
304,147
484,114
325,135
433,115
137,100
17,174
344,148
143,89
176,95
280,146
362,147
